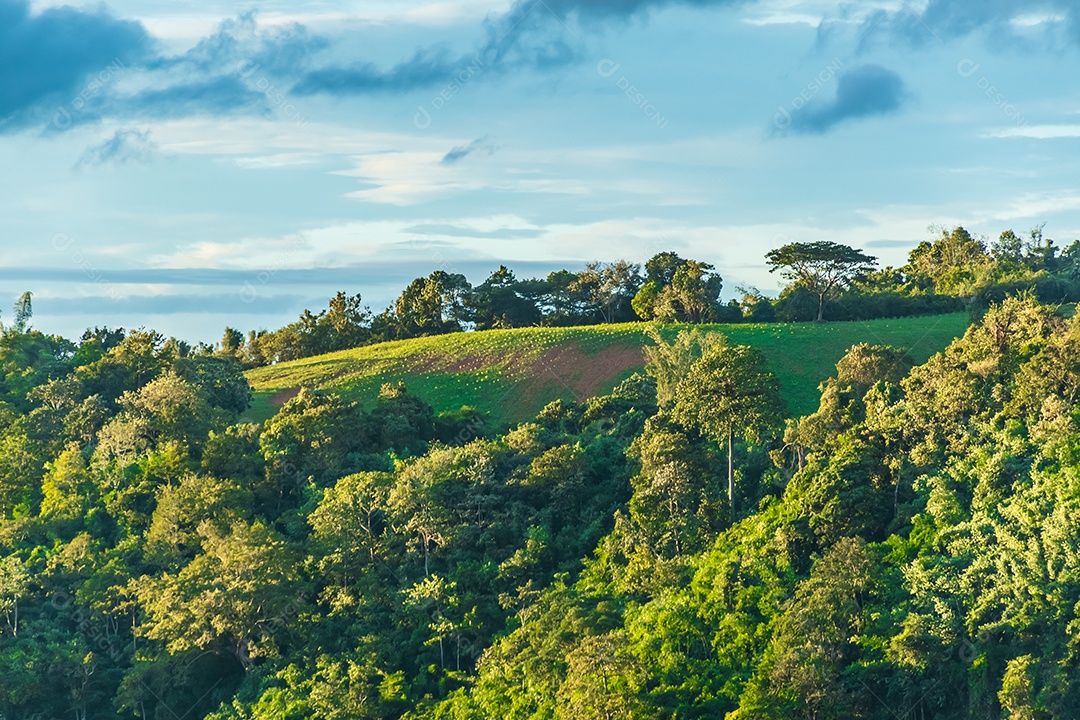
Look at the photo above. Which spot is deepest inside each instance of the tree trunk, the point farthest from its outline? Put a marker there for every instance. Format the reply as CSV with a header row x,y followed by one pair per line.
x,y
731,469
896,494
820,306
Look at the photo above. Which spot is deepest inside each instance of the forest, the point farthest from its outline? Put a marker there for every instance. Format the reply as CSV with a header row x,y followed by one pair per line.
x,y
679,547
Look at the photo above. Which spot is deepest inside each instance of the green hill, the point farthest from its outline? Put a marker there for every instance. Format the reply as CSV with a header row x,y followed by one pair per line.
x,y
511,374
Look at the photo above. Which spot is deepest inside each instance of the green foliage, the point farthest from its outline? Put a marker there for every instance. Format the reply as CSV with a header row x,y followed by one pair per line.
x,y
227,597
343,324
730,392
644,303
730,387
819,267
669,362
919,556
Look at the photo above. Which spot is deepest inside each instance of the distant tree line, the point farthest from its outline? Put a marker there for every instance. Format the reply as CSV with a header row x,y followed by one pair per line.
x,y
825,281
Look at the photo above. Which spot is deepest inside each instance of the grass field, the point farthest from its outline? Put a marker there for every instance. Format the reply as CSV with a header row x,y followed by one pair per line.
x,y
511,374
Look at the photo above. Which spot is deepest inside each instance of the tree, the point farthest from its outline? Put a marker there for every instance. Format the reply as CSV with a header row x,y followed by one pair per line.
x,y
678,290
815,637
674,507
420,503
66,488
598,680
501,301
346,320
24,310
610,287
180,511
231,342
756,308
820,266
346,525
952,263
697,290
730,388
312,436
644,303
219,379
661,268
432,305
669,362
172,407
562,298
1008,248
14,582
344,324
234,595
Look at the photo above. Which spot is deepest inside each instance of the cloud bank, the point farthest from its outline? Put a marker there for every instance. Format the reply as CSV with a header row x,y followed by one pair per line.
x,y
63,62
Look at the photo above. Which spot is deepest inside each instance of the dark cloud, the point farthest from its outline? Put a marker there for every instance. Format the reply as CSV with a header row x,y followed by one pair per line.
x,y
176,276
592,10
239,68
63,64
240,45
461,152
941,20
533,34
61,56
125,146
215,96
423,69
865,91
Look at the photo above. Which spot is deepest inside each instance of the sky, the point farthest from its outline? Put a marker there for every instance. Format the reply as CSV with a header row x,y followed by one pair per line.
x,y
184,166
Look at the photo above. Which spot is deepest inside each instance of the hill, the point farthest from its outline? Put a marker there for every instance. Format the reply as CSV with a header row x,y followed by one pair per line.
x,y
511,374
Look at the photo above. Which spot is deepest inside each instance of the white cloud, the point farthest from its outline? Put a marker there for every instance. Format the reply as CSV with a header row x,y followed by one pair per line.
x,y
1039,132
1037,206
1035,19
277,160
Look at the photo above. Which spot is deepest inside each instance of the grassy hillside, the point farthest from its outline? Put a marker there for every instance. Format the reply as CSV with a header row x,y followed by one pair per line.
x,y
511,374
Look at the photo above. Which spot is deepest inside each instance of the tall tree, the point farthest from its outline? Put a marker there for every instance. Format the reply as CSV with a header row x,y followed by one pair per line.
x,y
432,305
669,362
730,389
14,582
24,311
234,595
661,268
610,287
951,263
697,290
503,301
820,266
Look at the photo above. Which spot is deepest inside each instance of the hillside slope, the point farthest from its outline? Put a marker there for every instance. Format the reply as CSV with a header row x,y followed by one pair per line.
x,y
511,374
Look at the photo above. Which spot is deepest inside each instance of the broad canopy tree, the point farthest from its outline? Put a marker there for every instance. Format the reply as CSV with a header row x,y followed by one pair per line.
x,y
730,390
820,267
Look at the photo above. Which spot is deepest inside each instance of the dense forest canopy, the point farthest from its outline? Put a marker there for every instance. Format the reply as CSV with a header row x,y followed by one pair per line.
x,y
677,548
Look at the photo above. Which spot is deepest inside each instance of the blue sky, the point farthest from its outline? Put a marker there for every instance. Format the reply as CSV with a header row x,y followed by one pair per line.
x,y
187,166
